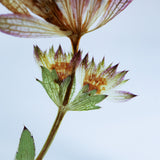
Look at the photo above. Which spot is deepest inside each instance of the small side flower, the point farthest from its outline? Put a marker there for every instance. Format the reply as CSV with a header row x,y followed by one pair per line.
x,y
104,80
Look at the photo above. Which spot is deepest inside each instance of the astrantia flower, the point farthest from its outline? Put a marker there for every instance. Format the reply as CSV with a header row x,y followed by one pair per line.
x,y
71,18
64,64
103,80
57,70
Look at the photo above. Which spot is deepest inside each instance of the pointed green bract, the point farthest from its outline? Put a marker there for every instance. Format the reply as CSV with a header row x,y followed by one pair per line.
x,y
84,89
85,100
51,86
54,88
54,75
26,149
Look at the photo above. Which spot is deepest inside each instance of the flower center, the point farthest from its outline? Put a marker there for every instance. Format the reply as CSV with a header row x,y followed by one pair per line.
x,y
95,82
63,69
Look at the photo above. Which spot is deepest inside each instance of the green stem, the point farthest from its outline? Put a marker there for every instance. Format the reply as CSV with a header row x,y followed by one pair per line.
x,y
75,43
60,115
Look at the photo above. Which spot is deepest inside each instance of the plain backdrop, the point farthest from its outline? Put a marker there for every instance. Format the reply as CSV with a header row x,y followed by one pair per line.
x,y
118,131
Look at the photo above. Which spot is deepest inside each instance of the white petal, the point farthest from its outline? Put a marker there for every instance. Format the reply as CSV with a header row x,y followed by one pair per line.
x,y
108,10
28,26
79,75
116,80
120,96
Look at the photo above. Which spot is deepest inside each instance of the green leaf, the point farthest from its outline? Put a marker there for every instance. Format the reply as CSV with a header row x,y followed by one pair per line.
x,y
26,149
50,85
85,100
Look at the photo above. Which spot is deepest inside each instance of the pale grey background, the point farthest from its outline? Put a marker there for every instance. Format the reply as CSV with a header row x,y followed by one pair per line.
x,y
118,131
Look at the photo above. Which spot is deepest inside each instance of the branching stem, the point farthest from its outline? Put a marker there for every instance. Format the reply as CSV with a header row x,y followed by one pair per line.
x,y
62,110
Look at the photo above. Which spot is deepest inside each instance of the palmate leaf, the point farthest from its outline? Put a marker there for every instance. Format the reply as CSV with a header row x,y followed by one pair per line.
x,y
50,85
26,149
85,100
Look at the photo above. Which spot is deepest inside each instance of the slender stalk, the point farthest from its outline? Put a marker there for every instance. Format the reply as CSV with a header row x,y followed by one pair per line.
x,y
68,93
75,42
60,115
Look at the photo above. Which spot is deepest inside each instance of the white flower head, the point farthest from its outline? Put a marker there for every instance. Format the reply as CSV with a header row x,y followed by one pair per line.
x,y
71,18
103,80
